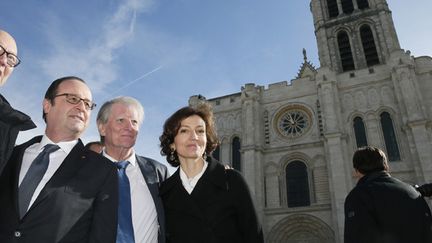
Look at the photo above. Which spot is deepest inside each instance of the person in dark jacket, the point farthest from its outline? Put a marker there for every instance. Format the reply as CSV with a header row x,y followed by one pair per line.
x,y
203,201
382,208
11,120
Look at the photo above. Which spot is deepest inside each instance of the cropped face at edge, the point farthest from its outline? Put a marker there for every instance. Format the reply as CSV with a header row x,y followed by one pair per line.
x,y
8,43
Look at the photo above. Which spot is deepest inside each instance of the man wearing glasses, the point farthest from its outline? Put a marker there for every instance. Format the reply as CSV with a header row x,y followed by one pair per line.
x,y
11,120
53,189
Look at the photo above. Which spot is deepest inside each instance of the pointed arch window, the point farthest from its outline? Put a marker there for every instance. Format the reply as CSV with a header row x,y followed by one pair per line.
x,y
347,6
362,4
235,154
369,47
297,184
216,152
332,8
345,52
360,132
389,137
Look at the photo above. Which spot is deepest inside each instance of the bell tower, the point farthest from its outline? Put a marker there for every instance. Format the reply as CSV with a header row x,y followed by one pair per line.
x,y
353,34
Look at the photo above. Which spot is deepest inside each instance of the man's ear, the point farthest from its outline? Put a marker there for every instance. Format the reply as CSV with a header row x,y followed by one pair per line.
x,y
46,105
101,128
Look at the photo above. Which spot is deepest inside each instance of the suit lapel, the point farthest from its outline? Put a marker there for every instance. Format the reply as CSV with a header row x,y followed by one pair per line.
x,y
69,167
149,173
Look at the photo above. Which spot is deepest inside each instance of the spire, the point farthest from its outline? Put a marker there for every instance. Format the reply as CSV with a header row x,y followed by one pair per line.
x,y
306,69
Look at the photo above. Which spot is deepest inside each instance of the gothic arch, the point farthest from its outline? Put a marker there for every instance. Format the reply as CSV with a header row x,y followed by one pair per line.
x,y
390,135
301,228
285,160
375,43
283,184
345,50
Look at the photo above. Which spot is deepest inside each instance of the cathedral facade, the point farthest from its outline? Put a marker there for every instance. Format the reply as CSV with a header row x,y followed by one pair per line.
x,y
293,141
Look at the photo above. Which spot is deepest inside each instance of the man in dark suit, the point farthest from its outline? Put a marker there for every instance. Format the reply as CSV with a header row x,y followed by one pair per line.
x,y
381,208
66,194
141,216
11,121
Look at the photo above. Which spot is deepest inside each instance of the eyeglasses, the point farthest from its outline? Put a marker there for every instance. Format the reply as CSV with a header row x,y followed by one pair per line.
x,y
12,59
74,100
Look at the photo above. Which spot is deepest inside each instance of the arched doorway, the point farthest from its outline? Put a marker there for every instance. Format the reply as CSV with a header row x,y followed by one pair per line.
x,y
301,228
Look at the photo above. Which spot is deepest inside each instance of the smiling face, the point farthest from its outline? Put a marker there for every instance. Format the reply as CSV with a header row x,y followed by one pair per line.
x,y
66,121
121,130
8,43
191,140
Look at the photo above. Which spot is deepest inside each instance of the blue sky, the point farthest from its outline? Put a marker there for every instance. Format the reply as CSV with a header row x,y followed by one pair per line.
x,y
164,51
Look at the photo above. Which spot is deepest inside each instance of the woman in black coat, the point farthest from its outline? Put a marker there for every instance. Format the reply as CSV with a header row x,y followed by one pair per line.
x,y
203,201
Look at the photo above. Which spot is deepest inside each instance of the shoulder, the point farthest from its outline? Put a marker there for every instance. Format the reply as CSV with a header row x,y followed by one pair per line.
x,y
236,181
152,162
227,176
94,159
152,168
171,182
14,117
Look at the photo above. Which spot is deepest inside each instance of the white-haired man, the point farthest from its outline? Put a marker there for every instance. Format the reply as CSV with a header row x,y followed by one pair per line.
x,y
118,123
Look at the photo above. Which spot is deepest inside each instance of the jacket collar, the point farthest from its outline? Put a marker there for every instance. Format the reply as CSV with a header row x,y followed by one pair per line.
x,y
372,176
215,173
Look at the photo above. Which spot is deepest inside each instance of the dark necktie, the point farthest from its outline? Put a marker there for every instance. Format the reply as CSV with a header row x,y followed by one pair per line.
x,y
125,233
33,176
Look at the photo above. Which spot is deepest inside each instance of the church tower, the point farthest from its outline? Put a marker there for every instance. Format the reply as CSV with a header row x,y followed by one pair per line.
x,y
353,34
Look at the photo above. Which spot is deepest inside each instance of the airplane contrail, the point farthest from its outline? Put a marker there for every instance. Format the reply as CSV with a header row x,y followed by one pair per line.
x,y
137,79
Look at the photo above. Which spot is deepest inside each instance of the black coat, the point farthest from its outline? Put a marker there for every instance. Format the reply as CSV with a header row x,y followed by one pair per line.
x,y
78,204
219,210
382,209
11,122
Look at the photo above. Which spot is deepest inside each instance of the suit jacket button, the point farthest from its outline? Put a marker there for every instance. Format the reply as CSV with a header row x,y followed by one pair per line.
x,y
17,234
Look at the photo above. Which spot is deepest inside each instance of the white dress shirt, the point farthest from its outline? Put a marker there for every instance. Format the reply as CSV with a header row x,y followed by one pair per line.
x,y
55,160
144,215
190,183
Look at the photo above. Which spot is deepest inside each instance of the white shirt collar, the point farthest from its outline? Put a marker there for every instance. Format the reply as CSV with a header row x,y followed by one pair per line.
x,y
190,183
131,159
64,146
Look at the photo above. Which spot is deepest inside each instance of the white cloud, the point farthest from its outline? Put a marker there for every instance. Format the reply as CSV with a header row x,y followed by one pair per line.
x,y
93,60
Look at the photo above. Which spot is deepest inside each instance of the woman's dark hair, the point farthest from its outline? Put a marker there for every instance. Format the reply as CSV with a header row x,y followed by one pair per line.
x,y
370,159
173,123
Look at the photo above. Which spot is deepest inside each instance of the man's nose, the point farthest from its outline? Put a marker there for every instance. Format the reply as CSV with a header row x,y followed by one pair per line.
x,y
81,105
129,125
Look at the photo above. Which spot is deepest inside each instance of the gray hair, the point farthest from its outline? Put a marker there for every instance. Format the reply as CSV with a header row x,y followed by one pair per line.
x,y
105,110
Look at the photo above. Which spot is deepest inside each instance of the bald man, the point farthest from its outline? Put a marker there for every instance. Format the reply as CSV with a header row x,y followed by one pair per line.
x,y
11,120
